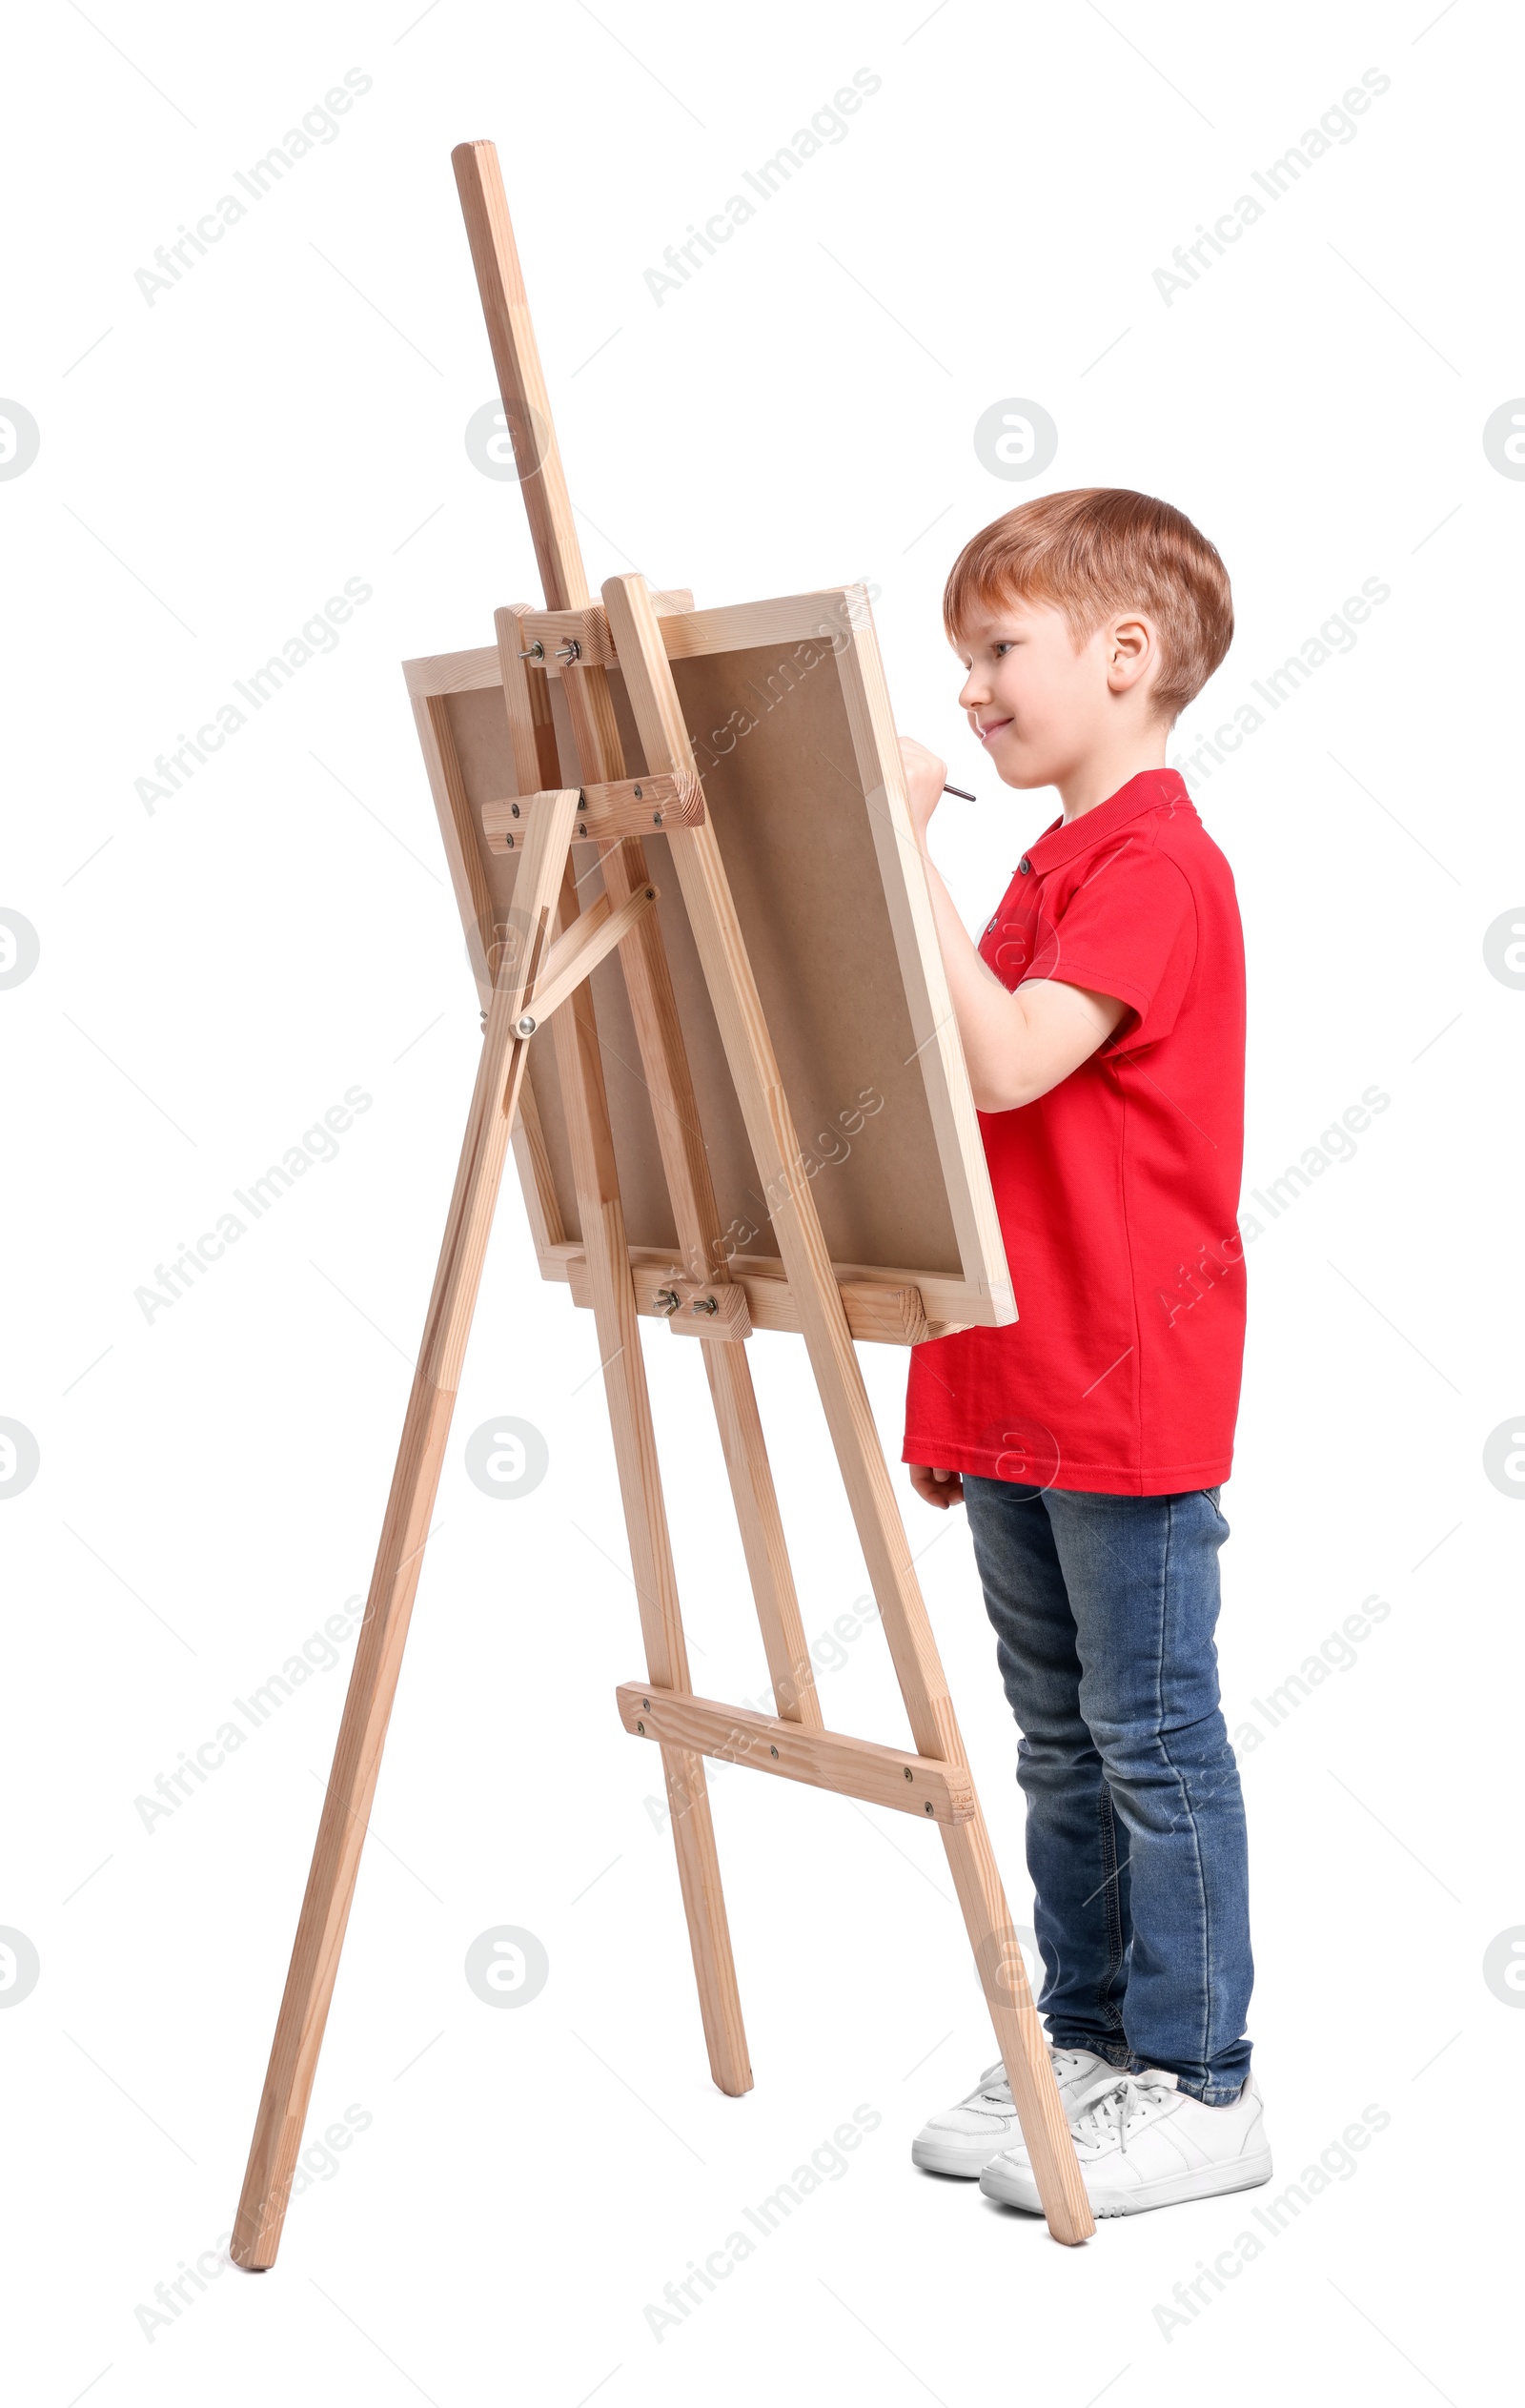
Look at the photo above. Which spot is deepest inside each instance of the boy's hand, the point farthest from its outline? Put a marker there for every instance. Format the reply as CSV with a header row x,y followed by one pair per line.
x,y
925,779
935,1487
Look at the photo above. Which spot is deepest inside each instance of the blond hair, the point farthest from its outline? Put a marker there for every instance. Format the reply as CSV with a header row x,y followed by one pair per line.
x,y
1097,550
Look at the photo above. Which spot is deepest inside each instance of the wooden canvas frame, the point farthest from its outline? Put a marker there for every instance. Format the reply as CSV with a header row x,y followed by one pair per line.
x,y
545,942
885,958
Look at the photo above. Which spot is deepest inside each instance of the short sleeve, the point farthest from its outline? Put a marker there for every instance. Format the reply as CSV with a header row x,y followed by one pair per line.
x,y
1130,929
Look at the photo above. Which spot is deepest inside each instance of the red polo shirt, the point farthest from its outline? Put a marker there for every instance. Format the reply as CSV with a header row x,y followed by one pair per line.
x,y
1118,1192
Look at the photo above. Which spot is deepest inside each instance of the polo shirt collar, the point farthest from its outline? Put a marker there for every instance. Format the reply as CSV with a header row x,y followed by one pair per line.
x,y
1067,840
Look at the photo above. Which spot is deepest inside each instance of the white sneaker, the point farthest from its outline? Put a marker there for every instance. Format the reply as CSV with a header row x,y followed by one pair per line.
x,y
1142,2143
963,2138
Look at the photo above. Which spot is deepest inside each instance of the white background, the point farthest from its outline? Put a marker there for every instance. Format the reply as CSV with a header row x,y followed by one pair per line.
x,y
215,974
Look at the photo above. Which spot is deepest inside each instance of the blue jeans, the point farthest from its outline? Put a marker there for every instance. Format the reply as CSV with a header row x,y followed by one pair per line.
x,y
1104,1610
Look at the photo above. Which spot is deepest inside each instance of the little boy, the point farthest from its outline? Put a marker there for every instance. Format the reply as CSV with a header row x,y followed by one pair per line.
x,y
1102,1024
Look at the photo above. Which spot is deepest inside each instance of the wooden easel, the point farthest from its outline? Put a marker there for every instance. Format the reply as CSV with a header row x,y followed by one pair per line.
x,y
541,974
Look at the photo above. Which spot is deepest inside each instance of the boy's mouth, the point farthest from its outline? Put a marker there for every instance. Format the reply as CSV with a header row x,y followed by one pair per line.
x,y
985,728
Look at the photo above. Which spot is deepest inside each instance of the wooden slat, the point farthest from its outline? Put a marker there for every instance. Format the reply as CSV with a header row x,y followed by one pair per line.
x,y
536,1178
588,628
934,1022
877,1315
453,807
822,616
826,1760
530,732
632,807
580,949
466,673
575,1036
878,1303
521,382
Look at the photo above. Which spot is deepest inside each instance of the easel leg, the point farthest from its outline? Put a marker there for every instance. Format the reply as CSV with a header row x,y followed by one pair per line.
x,y
838,1378
395,1581
1024,2045
575,1034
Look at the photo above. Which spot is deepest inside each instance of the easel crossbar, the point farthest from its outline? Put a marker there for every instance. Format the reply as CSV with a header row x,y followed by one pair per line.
x,y
578,950
627,807
826,1760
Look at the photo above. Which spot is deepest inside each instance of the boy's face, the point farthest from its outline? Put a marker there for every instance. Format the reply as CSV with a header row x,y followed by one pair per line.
x,y
1039,704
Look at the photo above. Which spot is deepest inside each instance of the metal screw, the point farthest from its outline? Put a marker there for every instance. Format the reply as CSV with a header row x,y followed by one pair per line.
x,y
526,1027
582,827
511,844
667,1300
641,1729
909,1775
569,651
928,1808
638,793
646,1703
773,1751
514,808
656,819
651,894
705,1304
536,652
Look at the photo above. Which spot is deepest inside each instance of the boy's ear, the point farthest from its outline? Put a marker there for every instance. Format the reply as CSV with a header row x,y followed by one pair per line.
x,y
1133,651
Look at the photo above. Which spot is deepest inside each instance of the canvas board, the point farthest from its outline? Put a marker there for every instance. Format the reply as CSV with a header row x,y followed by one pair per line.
x,y
786,705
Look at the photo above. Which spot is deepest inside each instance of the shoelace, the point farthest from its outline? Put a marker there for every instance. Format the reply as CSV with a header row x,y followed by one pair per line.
x,y
994,2086
1114,2109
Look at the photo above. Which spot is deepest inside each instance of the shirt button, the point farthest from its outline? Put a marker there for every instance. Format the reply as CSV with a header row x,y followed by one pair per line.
x,y
1024,865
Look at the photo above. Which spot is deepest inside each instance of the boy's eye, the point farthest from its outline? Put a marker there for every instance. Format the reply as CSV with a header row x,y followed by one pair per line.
x,y
999,648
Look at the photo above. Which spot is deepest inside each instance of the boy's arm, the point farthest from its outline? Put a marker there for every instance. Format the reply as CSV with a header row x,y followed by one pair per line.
x,y
1017,1046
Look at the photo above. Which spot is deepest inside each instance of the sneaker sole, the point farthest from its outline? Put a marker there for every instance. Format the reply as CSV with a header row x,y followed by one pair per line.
x,y
1247,2173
